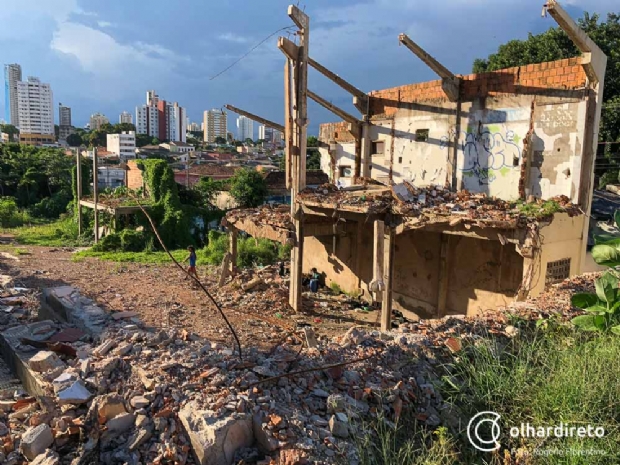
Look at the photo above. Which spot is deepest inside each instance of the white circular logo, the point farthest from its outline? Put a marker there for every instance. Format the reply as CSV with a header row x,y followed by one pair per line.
x,y
483,431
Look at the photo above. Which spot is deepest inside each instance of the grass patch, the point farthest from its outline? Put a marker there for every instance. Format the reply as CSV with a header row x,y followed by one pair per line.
x,y
59,233
544,377
539,210
383,443
140,257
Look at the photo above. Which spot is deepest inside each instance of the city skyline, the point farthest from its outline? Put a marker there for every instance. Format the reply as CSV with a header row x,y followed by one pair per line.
x,y
98,60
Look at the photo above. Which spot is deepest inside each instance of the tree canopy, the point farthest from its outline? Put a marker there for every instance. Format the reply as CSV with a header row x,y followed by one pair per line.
x,y
74,140
11,130
248,188
554,44
220,140
98,137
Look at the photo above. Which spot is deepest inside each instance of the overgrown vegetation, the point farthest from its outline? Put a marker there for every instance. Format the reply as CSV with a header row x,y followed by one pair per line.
x,y
248,188
539,211
60,233
602,308
547,375
250,251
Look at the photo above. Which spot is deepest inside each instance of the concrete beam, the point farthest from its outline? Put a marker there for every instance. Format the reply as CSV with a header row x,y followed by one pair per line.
x,y
334,109
377,286
594,61
256,118
300,18
449,82
360,97
290,50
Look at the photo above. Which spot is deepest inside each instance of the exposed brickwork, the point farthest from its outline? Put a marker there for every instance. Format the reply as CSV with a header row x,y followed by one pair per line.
x,y
335,131
529,79
134,175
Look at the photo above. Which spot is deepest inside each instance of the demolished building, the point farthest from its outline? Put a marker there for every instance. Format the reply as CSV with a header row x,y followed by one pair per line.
x,y
473,190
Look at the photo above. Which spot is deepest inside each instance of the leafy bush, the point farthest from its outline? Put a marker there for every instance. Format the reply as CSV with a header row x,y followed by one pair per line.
x,y
603,307
53,206
248,188
9,214
109,243
250,251
127,240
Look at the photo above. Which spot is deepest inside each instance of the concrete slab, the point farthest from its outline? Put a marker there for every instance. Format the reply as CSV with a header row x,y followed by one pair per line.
x,y
8,382
215,440
66,304
18,355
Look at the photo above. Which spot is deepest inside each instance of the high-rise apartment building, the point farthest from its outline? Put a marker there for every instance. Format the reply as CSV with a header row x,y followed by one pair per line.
x,y
64,122
35,107
125,117
64,115
161,119
12,75
245,128
261,132
97,120
123,145
214,125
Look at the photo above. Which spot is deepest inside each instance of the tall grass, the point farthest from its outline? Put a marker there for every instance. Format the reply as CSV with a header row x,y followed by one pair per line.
x,y
544,378
60,233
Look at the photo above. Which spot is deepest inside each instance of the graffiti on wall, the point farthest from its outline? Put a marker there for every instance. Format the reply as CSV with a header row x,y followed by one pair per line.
x,y
489,151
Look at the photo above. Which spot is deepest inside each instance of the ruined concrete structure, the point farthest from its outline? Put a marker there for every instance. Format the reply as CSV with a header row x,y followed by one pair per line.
x,y
427,239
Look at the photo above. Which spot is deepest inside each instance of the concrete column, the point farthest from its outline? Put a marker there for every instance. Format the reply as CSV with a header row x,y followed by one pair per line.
x,y
386,305
377,285
232,248
366,161
297,254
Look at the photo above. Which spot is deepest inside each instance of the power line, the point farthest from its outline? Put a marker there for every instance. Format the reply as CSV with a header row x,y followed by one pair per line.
x,y
250,51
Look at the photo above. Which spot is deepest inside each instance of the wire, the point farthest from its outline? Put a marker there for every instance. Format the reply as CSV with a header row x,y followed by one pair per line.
x,y
250,51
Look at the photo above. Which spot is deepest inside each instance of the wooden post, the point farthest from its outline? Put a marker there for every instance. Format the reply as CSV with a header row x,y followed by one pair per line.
x,y
78,188
232,248
225,271
96,193
386,305
444,270
377,286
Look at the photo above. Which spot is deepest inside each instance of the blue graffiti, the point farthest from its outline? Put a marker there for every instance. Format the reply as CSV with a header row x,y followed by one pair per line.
x,y
486,153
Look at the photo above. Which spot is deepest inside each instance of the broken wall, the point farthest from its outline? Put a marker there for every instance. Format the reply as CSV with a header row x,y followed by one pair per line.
x,y
481,274
482,142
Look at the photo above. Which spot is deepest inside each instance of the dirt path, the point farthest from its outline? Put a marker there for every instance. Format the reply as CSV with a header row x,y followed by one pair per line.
x,y
159,294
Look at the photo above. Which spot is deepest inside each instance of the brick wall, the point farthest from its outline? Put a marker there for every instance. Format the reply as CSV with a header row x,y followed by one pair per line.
x,y
134,175
335,131
529,79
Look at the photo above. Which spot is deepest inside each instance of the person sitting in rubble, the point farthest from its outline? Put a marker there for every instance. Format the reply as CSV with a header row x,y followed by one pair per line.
x,y
314,280
191,271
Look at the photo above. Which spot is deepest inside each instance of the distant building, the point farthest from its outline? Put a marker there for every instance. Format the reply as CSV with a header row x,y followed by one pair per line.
x,y
111,177
245,128
12,75
64,122
125,117
261,132
214,125
161,119
178,147
123,145
193,127
35,110
97,120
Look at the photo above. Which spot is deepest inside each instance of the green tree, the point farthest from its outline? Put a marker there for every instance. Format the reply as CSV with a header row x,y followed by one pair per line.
x,y
554,44
312,141
248,188
249,142
143,139
208,189
313,160
220,140
11,130
120,127
74,140
98,138
155,141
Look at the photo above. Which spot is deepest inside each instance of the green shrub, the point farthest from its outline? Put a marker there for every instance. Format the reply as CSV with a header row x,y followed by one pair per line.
x,y
9,214
52,207
250,251
109,243
132,241
216,248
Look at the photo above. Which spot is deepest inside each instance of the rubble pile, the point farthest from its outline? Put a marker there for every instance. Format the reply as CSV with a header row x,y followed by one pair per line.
x,y
277,216
109,389
411,201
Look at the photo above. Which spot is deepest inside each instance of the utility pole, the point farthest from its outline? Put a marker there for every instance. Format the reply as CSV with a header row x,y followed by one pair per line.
x,y
78,188
96,193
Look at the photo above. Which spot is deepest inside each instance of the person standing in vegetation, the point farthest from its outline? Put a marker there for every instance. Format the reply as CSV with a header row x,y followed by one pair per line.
x,y
192,262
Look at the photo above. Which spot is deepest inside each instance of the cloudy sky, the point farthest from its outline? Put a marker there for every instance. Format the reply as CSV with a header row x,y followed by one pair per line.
x,y
103,56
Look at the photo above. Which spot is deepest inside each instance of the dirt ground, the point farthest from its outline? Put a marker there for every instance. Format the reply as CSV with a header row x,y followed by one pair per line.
x,y
162,298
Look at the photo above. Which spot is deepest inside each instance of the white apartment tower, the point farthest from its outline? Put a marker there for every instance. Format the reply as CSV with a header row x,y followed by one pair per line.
x,y
35,107
12,75
123,145
97,120
214,125
261,132
125,117
245,128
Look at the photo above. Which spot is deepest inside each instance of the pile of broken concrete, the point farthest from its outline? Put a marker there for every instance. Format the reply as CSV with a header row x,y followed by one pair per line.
x,y
108,390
